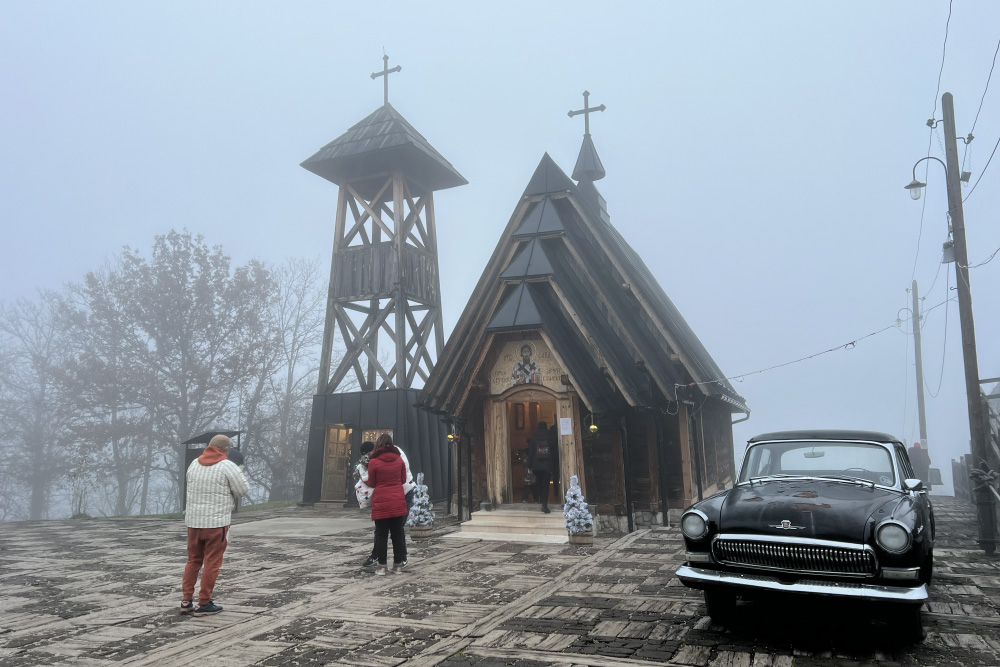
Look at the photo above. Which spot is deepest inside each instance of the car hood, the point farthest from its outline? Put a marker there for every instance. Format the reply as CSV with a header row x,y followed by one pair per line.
x,y
820,509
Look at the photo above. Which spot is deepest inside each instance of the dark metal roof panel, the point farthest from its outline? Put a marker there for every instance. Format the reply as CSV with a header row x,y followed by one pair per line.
x,y
518,310
530,261
541,219
548,177
588,163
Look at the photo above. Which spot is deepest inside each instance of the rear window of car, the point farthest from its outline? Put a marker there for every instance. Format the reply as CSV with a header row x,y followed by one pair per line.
x,y
868,462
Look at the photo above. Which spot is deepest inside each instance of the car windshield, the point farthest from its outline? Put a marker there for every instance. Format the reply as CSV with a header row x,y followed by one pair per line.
x,y
855,460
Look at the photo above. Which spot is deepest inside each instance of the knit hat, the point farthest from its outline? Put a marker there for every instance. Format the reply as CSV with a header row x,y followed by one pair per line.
x,y
221,442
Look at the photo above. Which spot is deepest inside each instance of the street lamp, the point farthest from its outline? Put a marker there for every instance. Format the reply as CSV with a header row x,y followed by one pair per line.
x,y
916,187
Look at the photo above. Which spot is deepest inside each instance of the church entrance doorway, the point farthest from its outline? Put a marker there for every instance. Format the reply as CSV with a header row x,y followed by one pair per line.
x,y
523,420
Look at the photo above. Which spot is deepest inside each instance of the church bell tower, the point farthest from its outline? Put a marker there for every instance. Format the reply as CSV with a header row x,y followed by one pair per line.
x,y
384,300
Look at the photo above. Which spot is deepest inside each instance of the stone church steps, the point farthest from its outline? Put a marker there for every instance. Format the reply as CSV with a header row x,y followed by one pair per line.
x,y
516,525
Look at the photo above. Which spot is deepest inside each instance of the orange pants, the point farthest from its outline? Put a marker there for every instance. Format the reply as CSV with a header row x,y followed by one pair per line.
x,y
205,547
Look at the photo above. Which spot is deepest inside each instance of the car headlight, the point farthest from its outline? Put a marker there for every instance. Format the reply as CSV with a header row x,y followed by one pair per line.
x,y
694,525
893,537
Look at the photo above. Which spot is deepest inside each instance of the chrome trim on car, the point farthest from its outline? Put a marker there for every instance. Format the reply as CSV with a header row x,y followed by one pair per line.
x,y
698,557
795,555
705,578
901,573
704,517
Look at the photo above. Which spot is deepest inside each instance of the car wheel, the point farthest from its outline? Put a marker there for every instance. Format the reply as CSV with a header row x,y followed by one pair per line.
x,y
910,624
721,605
927,569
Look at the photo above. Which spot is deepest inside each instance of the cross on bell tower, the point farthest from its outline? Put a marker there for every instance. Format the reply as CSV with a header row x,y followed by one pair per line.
x,y
385,73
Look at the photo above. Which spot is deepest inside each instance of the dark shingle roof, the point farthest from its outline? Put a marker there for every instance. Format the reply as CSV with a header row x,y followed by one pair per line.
x,y
383,141
610,342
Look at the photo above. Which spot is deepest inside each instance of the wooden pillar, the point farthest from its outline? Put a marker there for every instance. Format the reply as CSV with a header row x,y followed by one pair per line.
x,y
495,440
570,446
687,458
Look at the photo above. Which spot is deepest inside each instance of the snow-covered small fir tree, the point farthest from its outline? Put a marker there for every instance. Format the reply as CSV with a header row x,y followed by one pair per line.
x,y
578,518
422,513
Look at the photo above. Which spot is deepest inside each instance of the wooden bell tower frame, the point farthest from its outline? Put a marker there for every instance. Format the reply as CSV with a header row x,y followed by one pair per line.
x,y
385,293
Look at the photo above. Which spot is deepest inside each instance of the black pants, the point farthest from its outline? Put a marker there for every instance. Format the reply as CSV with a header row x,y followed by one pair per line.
x,y
542,478
384,528
409,506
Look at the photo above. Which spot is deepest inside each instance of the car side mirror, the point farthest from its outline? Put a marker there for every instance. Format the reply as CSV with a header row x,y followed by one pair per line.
x,y
913,485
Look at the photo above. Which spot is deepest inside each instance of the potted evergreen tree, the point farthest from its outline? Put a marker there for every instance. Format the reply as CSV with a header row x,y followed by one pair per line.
x,y
421,518
579,522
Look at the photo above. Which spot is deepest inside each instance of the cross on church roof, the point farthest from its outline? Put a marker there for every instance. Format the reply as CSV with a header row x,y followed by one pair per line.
x,y
386,71
586,110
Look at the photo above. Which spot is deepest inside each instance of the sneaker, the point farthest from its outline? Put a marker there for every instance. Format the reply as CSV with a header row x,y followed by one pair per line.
x,y
208,608
187,606
380,571
397,568
371,560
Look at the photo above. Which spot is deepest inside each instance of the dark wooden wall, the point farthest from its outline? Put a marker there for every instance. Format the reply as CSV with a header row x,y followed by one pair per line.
x,y
602,464
372,271
420,434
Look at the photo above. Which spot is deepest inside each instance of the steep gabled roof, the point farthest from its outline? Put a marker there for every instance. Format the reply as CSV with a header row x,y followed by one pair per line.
x,y
559,266
374,146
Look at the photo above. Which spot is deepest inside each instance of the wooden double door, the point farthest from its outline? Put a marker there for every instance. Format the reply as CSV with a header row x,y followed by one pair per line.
x,y
337,464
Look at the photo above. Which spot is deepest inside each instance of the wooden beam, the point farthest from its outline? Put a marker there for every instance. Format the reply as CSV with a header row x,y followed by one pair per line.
x,y
359,225
326,351
375,217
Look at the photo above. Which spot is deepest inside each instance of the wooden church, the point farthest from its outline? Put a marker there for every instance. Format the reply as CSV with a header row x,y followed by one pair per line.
x,y
567,326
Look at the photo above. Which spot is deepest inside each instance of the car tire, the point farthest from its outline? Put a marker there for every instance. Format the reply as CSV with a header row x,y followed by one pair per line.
x,y
721,605
927,569
910,624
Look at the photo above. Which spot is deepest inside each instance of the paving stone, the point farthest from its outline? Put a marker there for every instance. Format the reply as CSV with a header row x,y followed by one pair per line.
x,y
104,592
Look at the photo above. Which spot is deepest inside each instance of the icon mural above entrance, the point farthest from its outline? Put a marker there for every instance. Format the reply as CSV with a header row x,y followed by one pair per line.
x,y
526,362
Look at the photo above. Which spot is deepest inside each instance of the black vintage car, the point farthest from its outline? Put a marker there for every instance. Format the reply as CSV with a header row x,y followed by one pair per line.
x,y
821,513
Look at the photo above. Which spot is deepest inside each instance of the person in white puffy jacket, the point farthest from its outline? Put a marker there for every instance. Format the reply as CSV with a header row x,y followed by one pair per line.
x,y
213,484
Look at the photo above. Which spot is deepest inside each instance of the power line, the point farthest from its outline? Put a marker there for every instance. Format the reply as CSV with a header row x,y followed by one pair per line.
x,y
944,51
930,138
982,172
981,100
976,266
850,345
944,346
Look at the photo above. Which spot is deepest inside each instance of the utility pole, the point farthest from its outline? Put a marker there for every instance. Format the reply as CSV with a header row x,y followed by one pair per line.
x,y
918,355
984,502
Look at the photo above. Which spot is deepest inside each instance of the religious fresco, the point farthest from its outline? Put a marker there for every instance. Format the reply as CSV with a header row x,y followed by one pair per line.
x,y
526,362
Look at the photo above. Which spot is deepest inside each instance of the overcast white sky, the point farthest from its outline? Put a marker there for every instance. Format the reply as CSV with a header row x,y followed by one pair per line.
x,y
756,154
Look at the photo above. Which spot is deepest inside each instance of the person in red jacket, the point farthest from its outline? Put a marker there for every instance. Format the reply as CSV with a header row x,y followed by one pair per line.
x,y
386,475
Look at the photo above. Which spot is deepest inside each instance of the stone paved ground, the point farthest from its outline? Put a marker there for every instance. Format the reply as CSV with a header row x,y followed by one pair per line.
x,y
105,592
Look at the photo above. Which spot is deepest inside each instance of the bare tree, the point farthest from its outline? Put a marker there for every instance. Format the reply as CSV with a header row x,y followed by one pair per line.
x,y
277,418
109,392
32,409
202,324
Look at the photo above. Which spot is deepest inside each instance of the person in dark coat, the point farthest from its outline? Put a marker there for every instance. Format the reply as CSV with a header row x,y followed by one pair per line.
x,y
541,460
386,475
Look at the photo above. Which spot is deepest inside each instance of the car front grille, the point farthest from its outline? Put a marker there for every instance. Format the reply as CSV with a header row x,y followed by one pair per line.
x,y
795,556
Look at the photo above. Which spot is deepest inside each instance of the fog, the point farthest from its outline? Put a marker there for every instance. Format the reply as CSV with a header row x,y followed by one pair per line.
x,y
756,155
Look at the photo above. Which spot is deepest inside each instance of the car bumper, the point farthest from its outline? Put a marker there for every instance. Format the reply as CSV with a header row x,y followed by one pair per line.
x,y
697,577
